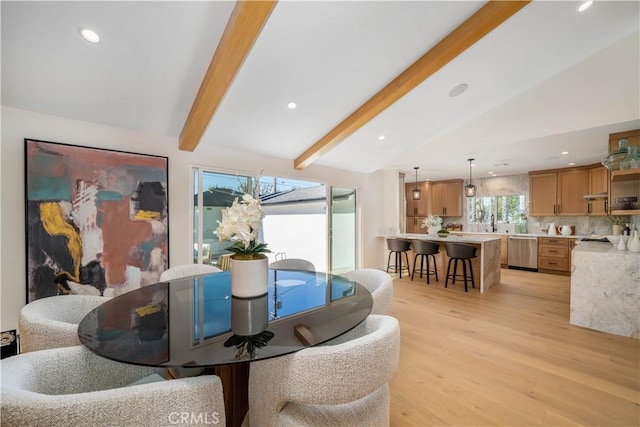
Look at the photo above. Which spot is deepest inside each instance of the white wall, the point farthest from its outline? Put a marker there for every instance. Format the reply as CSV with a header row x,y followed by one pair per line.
x,y
19,124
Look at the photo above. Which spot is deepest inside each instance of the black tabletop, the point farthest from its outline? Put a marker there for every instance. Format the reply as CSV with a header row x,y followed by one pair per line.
x,y
195,321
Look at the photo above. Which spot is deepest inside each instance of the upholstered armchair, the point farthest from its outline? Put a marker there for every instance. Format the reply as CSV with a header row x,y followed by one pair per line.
x,y
187,270
52,322
341,383
379,283
71,387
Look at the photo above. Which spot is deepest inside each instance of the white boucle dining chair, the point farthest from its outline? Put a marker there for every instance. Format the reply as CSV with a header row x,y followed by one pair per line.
x,y
186,270
52,322
293,264
343,382
379,283
71,386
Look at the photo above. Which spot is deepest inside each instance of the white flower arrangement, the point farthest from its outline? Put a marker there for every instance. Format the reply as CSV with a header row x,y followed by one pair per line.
x,y
240,224
431,221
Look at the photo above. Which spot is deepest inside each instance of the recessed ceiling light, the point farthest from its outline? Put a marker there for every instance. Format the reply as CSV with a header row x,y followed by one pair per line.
x,y
458,90
584,6
564,152
89,35
490,172
292,105
381,137
572,163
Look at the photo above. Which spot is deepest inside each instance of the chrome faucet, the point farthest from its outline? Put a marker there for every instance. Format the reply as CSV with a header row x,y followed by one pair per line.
x,y
493,224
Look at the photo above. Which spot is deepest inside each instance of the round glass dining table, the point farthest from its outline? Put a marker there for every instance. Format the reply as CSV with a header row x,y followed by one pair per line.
x,y
197,322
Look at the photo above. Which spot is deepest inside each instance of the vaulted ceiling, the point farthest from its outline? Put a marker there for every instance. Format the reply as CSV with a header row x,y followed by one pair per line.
x,y
549,79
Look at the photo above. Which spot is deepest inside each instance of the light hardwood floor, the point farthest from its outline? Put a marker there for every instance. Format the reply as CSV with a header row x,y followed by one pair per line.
x,y
508,357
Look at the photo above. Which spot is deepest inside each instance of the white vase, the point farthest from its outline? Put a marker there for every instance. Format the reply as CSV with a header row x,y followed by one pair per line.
x,y
249,278
622,245
433,230
634,242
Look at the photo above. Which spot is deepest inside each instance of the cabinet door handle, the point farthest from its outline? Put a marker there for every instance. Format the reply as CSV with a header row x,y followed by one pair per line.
x,y
589,207
554,209
558,209
553,252
606,206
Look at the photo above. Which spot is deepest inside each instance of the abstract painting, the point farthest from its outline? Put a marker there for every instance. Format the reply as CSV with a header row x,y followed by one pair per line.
x,y
96,220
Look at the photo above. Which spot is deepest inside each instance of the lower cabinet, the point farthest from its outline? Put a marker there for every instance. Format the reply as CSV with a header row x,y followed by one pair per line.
x,y
414,225
504,250
554,254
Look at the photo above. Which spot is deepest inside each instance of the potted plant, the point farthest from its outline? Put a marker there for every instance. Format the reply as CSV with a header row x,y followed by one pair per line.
x,y
433,223
241,223
618,221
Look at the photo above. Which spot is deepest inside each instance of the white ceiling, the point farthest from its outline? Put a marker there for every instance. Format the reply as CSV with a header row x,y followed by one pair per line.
x,y
549,79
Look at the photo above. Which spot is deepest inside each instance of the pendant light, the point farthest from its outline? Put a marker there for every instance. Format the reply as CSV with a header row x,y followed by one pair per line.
x,y
470,189
416,192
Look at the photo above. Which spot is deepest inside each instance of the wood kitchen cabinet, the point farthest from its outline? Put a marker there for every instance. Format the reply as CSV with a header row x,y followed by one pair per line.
x,y
422,206
414,224
554,254
446,198
504,251
632,137
598,184
559,192
624,183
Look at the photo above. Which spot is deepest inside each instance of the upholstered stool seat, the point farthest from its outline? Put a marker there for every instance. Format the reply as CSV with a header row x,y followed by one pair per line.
x,y
425,250
459,252
397,247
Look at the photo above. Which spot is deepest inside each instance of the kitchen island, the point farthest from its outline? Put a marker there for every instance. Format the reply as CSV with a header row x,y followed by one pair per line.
x,y
486,267
605,289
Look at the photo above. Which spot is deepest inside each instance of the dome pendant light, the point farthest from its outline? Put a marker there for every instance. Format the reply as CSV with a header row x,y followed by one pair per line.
x,y
470,189
416,192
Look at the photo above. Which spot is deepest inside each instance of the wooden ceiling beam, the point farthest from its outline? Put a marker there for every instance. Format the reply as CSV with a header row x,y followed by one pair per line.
x,y
481,23
243,28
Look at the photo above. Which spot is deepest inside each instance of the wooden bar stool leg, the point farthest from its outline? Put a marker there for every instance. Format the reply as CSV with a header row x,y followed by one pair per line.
x,y
446,282
464,272
473,284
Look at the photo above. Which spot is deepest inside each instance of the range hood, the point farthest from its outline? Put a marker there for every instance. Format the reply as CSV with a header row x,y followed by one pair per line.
x,y
594,196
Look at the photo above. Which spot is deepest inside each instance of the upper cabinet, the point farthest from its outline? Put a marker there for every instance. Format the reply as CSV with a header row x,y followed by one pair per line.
x,y
422,206
632,137
598,184
624,183
446,197
542,193
559,192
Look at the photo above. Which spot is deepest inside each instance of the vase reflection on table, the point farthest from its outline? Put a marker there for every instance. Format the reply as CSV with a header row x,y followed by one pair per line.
x,y
249,321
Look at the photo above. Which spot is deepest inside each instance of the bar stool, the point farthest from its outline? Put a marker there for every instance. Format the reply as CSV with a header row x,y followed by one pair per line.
x,y
425,250
460,252
398,247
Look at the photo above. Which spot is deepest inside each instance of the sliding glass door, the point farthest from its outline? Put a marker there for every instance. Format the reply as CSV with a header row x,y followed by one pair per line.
x,y
342,230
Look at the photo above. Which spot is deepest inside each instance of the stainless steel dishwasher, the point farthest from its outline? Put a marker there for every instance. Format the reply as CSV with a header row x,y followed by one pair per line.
x,y
522,252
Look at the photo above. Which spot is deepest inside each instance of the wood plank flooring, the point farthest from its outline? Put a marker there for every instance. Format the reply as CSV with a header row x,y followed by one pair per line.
x,y
507,357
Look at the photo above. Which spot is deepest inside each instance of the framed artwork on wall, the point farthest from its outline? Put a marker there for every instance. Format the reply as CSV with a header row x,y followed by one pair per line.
x,y
97,220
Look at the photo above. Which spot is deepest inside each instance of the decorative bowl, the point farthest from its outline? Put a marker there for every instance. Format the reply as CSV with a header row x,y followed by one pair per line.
x,y
614,239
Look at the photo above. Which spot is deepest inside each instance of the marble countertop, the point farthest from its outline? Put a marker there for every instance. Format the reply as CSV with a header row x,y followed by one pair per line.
x,y
450,238
573,236
602,248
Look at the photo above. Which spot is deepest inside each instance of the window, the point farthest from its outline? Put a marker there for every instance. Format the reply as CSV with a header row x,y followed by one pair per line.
x,y
505,209
295,225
